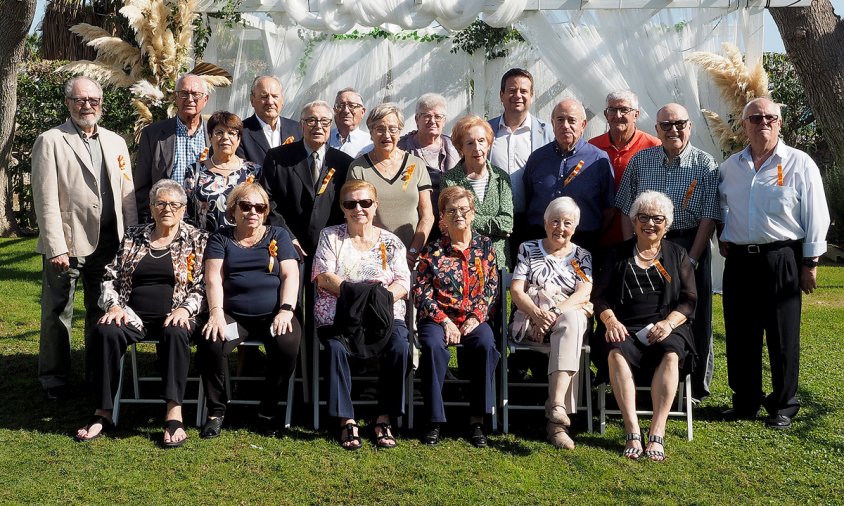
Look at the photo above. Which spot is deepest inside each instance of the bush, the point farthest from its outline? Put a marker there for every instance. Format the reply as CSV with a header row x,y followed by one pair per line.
x,y
833,182
40,107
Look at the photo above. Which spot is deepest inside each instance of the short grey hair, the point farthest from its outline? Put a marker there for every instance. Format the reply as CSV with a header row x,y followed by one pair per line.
x,y
428,101
657,200
625,95
182,78
167,186
760,99
311,105
381,111
348,90
68,86
562,206
255,83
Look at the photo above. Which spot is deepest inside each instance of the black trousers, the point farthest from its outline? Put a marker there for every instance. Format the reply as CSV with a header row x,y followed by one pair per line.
x,y
762,296
173,349
702,324
282,351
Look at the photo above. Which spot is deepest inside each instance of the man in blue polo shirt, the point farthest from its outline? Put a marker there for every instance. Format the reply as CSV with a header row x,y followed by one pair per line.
x,y
570,166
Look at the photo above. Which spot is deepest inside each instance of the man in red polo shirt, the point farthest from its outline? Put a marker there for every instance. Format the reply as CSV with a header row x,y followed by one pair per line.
x,y
622,142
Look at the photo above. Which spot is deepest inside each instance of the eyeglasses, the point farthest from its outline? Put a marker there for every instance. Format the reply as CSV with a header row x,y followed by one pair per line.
x,y
248,206
219,134
438,118
658,219
393,130
462,210
612,111
666,126
80,101
184,95
162,205
323,122
758,118
351,106
352,204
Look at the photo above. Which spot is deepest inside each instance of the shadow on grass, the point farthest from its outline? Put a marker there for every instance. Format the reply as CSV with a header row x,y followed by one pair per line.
x,y
24,274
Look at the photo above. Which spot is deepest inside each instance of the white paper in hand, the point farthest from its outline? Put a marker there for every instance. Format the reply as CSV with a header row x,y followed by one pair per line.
x,y
642,335
230,332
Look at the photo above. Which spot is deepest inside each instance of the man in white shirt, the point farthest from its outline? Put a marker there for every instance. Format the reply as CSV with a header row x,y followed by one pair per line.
x,y
348,113
775,223
266,129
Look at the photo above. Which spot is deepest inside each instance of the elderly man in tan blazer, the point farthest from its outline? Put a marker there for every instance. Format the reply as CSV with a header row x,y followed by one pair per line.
x,y
84,200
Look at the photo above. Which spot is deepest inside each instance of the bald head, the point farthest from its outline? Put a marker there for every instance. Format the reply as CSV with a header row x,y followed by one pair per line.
x,y
673,128
569,121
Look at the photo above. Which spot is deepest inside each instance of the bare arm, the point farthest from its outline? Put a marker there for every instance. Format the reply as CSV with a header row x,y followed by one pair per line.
x,y
426,221
704,232
214,292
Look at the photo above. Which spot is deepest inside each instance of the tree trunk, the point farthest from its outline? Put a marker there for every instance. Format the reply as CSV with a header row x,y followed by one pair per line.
x,y
14,25
814,40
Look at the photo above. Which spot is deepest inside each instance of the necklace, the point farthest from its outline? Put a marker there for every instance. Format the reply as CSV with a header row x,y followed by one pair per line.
x,y
164,251
221,166
254,237
642,255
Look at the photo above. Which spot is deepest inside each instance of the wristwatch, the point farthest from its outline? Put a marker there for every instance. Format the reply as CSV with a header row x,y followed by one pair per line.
x,y
413,251
693,262
810,262
285,307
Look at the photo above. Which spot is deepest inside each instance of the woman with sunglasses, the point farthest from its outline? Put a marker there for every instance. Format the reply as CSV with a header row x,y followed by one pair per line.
x,y
645,298
358,253
151,290
252,285
400,178
209,180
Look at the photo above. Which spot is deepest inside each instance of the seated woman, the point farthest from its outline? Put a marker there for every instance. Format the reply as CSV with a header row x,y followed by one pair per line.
x,y
455,292
551,287
208,182
493,195
252,280
152,290
350,257
645,296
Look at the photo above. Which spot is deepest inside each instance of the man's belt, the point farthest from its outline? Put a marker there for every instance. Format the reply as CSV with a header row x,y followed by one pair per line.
x,y
756,249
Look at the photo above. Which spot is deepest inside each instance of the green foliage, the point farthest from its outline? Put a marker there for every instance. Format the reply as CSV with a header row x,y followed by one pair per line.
x,y
480,35
230,15
41,106
378,33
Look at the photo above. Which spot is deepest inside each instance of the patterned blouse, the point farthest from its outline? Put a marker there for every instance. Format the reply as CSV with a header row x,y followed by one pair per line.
x,y
186,251
538,268
336,254
455,284
493,214
207,193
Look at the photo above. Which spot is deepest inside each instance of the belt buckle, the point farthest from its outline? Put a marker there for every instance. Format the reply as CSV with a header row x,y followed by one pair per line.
x,y
753,248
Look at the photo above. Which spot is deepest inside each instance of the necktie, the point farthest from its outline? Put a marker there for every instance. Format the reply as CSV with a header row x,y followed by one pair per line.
x,y
315,167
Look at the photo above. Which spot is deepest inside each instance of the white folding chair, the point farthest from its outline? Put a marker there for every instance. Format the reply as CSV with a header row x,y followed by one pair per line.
x,y
584,376
682,404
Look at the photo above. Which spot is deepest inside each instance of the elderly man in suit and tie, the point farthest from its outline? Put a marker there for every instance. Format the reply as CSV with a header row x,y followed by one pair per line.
x,y
84,200
266,129
169,146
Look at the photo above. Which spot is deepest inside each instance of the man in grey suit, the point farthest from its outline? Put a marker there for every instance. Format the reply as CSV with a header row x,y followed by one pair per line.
x,y
266,129
84,199
167,147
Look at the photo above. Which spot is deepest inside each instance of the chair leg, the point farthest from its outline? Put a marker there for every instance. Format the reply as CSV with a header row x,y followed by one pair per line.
x,y
602,408
303,364
200,404
288,411
505,389
409,396
587,380
133,355
315,381
115,414
689,429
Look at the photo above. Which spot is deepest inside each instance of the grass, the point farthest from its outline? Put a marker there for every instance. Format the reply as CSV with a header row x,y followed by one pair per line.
x,y
738,462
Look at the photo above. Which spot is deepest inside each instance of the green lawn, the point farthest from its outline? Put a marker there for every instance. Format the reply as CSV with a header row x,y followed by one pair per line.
x,y
739,462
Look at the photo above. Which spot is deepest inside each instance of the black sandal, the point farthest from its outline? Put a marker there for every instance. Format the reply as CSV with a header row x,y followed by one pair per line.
x,y
631,452
212,428
350,437
170,427
656,455
385,437
106,424
477,436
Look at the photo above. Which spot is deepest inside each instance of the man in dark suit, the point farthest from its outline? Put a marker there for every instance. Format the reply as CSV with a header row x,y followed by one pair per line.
x,y
167,147
266,129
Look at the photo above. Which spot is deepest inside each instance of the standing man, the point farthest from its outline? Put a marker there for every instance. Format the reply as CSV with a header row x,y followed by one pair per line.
x,y
348,113
517,134
689,176
775,224
569,166
167,147
84,200
621,142
266,129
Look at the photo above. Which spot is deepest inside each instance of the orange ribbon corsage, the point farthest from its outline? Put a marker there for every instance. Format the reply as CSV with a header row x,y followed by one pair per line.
x,y
779,175
325,181
662,271
288,140
121,162
579,271
407,175
250,178
383,256
191,266
273,254
204,155
478,268
689,193
574,173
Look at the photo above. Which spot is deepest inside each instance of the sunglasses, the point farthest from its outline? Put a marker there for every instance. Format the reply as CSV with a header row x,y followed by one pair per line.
x,y
364,204
758,118
248,206
658,219
668,125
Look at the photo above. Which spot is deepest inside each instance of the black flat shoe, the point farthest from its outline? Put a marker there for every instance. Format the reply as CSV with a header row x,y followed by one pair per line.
x,y
432,437
212,428
268,426
778,422
477,436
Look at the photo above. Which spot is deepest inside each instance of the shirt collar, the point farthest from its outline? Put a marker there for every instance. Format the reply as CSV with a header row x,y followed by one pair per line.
x,y
683,156
780,152
577,145
321,150
266,126
182,129
525,126
82,134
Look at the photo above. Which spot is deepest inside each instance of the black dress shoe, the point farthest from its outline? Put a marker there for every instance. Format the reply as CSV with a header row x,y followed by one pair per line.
x,y
778,422
477,436
432,437
268,426
212,428
733,414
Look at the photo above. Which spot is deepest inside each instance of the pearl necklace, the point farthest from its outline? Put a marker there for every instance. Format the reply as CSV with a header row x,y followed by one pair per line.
x,y
642,255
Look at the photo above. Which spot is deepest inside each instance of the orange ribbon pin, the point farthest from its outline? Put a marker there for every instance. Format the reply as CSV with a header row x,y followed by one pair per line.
x,y
191,266
383,256
480,270
407,175
250,178
579,271
325,181
689,193
574,173
273,254
204,155
662,271
121,162
288,140
779,175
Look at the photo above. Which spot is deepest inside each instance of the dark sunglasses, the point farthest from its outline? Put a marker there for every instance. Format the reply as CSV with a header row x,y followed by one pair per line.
x,y
248,206
668,125
364,204
658,219
757,118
